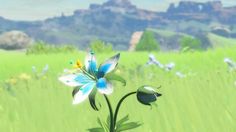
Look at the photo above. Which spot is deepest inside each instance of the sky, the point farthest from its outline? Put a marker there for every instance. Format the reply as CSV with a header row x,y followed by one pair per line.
x,y
41,9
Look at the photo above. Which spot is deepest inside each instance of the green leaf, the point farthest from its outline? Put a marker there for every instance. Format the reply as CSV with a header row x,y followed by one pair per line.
x,y
76,89
128,126
122,120
98,129
103,125
115,77
108,120
92,101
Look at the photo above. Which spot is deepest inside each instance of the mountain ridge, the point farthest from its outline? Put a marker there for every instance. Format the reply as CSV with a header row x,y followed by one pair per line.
x,y
115,20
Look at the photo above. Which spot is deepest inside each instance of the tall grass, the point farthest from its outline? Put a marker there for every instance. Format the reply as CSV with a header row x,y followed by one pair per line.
x,y
202,102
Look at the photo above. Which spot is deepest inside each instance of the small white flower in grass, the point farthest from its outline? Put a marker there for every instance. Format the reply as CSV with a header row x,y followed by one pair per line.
x,y
40,74
231,64
153,61
45,69
235,83
180,75
227,60
169,66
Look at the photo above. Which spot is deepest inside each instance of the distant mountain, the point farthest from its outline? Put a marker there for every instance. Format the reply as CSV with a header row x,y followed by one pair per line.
x,y
116,20
205,12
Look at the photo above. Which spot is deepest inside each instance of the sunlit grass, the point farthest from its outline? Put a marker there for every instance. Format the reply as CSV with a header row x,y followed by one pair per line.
x,y
202,102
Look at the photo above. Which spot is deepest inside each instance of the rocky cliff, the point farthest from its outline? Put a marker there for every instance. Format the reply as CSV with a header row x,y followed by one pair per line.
x,y
204,12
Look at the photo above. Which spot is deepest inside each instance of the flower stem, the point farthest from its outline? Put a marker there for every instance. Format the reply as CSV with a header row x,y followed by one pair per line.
x,y
112,124
119,104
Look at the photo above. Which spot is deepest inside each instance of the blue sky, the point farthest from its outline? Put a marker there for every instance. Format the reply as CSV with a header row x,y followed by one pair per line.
x,y
41,9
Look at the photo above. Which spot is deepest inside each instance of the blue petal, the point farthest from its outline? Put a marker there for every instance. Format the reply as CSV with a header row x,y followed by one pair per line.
x,y
104,68
92,67
90,63
83,92
101,83
83,79
87,88
104,87
108,66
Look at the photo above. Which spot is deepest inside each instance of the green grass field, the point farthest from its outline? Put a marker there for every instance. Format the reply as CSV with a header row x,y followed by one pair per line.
x,y
204,101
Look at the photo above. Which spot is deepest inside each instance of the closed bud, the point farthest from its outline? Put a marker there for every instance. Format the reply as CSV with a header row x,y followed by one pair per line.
x,y
147,95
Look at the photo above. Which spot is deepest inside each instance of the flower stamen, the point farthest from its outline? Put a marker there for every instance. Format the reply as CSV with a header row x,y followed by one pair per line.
x,y
78,64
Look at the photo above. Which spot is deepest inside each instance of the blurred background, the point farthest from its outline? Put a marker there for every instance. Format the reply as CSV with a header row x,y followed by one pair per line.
x,y
168,25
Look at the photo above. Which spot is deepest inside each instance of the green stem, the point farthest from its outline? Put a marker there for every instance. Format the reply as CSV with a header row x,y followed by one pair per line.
x,y
119,104
112,128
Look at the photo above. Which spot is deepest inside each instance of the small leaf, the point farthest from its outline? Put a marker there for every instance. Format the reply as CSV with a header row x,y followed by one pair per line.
x,y
92,102
115,77
98,129
99,122
128,126
103,125
122,120
76,89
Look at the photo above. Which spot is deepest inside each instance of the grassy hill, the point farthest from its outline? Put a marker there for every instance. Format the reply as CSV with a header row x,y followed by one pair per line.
x,y
166,33
204,101
220,41
215,40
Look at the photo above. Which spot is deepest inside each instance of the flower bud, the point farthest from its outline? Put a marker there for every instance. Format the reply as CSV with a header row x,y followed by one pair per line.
x,y
146,95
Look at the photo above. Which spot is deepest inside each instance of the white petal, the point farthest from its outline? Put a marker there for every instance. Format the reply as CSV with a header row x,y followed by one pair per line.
x,y
83,94
227,60
89,58
69,80
108,90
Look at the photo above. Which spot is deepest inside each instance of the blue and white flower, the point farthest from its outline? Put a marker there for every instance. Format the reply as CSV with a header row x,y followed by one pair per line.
x,y
90,78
